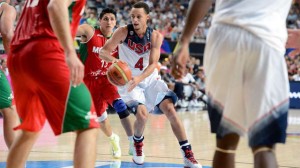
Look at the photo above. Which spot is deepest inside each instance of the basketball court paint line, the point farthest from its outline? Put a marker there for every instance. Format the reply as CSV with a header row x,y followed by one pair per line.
x,y
99,164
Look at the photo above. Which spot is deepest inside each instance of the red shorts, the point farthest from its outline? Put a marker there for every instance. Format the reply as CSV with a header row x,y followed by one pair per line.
x,y
42,90
103,92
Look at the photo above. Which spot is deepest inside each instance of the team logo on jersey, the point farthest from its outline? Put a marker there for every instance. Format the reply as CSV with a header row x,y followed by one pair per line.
x,y
91,116
131,32
96,49
11,96
139,48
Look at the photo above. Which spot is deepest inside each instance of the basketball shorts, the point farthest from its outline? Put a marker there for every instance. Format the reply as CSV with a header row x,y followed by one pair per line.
x,y
6,95
42,89
102,91
247,84
150,92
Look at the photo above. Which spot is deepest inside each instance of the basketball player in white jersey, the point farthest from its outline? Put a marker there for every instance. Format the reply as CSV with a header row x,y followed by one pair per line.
x,y
247,79
139,46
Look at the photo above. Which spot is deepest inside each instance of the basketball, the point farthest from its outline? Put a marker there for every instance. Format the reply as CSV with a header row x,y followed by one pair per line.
x,y
119,74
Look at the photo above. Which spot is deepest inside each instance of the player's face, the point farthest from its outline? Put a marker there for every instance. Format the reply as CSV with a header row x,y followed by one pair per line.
x,y
108,21
138,18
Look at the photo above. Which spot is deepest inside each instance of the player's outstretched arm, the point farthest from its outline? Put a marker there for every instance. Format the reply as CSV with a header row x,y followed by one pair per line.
x,y
117,38
196,12
59,19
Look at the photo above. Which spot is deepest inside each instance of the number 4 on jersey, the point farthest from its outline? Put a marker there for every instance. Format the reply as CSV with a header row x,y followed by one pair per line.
x,y
139,64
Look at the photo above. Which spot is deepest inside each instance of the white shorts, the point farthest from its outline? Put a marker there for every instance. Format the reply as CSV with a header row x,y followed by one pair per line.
x,y
247,84
150,92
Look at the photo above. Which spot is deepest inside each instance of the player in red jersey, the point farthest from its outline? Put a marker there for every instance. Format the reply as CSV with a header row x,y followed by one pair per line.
x,y
47,80
103,92
7,107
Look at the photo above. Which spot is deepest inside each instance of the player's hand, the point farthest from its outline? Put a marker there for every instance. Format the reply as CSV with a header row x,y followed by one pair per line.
x,y
115,60
293,42
179,60
133,83
76,68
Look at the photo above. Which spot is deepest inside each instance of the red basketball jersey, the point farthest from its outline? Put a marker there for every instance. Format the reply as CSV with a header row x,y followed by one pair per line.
x,y
34,21
89,54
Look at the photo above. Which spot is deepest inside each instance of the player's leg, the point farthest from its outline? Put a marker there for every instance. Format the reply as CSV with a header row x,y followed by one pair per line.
x,y
167,107
20,149
10,120
135,101
141,114
123,112
85,148
102,93
10,116
113,138
67,108
268,106
264,156
33,119
224,156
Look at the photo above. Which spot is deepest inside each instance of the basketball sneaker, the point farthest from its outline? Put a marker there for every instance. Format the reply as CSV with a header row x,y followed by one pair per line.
x,y
138,154
115,146
188,157
131,146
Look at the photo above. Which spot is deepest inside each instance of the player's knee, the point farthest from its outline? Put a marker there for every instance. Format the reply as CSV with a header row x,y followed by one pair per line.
x,y
261,149
102,117
142,113
228,142
121,108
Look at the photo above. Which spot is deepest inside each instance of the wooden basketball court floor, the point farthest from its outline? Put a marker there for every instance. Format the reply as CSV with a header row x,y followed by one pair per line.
x,y
161,147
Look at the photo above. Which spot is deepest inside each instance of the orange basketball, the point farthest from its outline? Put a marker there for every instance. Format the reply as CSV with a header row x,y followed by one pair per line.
x,y
119,74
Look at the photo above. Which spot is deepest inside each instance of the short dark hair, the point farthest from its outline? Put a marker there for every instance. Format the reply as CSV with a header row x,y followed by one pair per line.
x,y
143,5
107,10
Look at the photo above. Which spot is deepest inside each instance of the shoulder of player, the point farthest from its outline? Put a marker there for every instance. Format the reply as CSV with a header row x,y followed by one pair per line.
x,y
87,29
8,8
121,32
123,29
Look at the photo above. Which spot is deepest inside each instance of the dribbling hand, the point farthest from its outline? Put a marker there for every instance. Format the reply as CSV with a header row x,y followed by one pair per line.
x,y
133,83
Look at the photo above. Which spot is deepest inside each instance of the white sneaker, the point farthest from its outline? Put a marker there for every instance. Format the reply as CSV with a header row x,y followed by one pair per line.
x,y
115,146
138,154
182,103
131,145
188,158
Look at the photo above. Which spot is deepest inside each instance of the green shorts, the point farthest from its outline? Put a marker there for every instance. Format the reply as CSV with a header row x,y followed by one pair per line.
x,y
5,92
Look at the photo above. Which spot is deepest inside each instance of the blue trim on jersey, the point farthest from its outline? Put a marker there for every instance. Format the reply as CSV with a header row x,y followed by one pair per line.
x,y
271,129
169,95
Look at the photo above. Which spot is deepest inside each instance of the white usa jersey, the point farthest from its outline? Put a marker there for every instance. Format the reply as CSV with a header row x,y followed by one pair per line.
x,y
135,50
267,21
